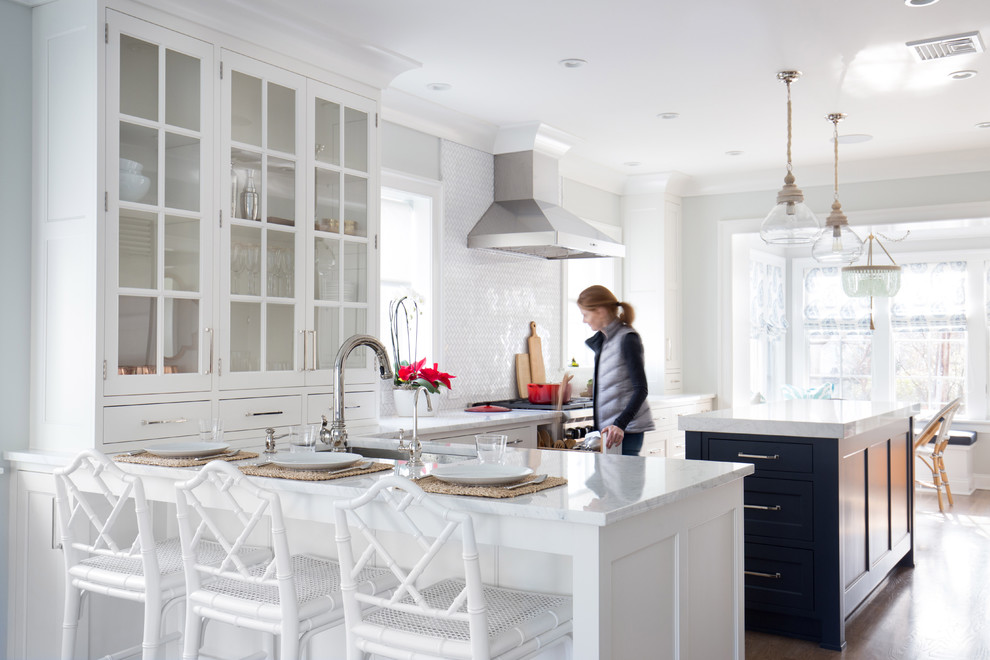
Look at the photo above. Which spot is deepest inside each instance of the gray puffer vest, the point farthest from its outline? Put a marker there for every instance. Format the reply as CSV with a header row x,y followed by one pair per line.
x,y
613,387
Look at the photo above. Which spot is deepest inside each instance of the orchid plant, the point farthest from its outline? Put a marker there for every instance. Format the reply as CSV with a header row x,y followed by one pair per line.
x,y
408,374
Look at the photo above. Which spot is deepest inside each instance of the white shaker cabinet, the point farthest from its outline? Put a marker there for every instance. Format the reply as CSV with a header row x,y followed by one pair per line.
x,y
205,228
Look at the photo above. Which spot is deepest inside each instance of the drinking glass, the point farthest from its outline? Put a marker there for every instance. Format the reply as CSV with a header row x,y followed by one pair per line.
x,y
303,438
491,447
211,430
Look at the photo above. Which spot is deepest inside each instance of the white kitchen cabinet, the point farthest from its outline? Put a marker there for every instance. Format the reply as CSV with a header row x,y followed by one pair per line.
x,y
155,285
666,439
672,299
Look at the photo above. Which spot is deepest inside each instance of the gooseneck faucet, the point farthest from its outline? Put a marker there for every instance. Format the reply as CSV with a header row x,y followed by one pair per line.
x,y
338,431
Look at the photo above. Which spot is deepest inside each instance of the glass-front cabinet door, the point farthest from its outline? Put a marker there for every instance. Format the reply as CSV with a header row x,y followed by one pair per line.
x,y
263,337
159,334
340,254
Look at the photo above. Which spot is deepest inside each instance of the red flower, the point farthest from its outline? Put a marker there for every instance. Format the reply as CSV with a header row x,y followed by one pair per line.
x,y
415,375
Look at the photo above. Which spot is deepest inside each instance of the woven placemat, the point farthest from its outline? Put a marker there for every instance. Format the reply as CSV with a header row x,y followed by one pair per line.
x,y
151,459
431,484
310,475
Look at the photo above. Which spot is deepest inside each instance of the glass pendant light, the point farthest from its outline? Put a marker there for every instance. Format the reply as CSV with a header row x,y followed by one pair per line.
x,y
791,222
872,280
838,244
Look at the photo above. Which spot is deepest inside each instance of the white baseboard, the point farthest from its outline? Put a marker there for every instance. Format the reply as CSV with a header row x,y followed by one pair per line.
x,y
981,481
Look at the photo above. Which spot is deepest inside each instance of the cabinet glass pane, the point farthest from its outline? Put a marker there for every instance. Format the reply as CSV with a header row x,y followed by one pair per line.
x,y
245,336
356,140
281,188
182,172
138,250
355,206
327,320
181,254
356,323
327,269
138,78
137,335
281,264
181,336
279,335
245,108
327,200
247,166
327,132
245,260
281,118
181,90
355,272
138,164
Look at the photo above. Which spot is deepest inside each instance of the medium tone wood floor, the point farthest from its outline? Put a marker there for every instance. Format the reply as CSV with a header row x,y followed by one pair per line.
x,y
940,609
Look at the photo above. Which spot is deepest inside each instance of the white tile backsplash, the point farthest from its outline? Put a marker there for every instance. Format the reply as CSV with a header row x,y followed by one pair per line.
x,y
489,298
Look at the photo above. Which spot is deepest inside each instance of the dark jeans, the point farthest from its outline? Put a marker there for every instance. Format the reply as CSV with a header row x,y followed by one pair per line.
x,y
632,443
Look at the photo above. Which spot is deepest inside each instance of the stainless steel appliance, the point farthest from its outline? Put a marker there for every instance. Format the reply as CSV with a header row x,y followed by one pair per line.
x,y
577,415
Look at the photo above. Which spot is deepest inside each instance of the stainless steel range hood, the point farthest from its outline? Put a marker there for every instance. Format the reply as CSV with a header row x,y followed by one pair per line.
x,y
526,219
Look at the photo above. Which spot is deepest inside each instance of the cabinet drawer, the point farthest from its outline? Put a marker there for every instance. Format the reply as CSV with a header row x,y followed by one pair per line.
x,y
779,508
260,412
357,406
672,382
522,437
781,577
766,456
151,421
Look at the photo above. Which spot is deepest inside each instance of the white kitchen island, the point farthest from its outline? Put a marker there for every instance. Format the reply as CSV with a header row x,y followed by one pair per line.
x,y
650,548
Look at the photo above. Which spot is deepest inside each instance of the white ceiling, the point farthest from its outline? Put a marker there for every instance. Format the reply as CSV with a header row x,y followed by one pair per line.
x,y
712,61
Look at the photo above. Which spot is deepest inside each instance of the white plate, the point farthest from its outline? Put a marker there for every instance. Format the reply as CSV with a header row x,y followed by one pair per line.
x,y
188,449
481,474
323,460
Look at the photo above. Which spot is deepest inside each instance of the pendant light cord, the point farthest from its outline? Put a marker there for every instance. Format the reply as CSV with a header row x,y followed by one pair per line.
x,y
787,81
835,143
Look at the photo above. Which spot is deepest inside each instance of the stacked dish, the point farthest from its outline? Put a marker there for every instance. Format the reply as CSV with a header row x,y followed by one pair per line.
x,y
133,185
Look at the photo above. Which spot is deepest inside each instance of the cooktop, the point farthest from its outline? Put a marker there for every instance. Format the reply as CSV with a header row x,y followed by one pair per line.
x,y
575,403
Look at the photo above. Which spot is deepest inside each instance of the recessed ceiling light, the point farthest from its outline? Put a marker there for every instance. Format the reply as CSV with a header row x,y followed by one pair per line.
x,y
734,152
438,87
632,163
669,115
572,63
983,124
853,138
919,3
962,75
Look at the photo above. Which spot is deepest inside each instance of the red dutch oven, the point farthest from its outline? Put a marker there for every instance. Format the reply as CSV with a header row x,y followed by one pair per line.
x,y
547,393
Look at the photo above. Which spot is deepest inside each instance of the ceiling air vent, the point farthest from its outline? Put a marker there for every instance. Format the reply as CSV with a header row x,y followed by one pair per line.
x,y
939,47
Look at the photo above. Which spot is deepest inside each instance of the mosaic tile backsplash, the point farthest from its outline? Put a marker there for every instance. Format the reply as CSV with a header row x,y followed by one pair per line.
x,y
489,298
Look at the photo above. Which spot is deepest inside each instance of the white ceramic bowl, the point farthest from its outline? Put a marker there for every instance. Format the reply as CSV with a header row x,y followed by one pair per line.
x,y
133,187
130,166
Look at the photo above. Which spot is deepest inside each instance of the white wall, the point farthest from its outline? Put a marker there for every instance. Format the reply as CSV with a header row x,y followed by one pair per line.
x,y
15,252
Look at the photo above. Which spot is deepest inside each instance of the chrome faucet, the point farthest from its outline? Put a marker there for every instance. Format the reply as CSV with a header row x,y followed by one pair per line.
x,y
338,432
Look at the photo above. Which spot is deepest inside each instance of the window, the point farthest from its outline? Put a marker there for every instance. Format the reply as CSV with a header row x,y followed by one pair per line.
x,y
409,238
838,340
768,323
928,333
923,348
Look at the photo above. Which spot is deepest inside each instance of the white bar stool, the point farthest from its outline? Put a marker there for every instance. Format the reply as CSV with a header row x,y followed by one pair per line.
x,y
93,493
458,618
292,597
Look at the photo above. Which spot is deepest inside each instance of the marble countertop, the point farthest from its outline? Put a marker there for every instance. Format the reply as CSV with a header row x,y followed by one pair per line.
x,y
601,489
806,418
674,399
454,420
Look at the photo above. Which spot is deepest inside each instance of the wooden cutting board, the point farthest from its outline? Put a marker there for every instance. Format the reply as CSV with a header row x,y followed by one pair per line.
x,y
537,372
522,375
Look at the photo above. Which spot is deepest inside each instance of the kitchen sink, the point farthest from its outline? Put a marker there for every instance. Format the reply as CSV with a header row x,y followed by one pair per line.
x,y
381,452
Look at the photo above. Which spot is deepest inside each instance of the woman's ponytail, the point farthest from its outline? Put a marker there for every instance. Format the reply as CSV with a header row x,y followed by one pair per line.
x,y
628,314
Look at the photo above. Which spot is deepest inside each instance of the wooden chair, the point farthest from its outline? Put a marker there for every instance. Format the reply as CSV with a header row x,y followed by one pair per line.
x,y
291,597
930,446
109,549
456,618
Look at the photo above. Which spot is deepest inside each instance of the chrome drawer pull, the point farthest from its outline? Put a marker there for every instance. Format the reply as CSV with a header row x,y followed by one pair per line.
x,y
146,422
775,576
259,414
352,407
514,442
768,458
761,507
